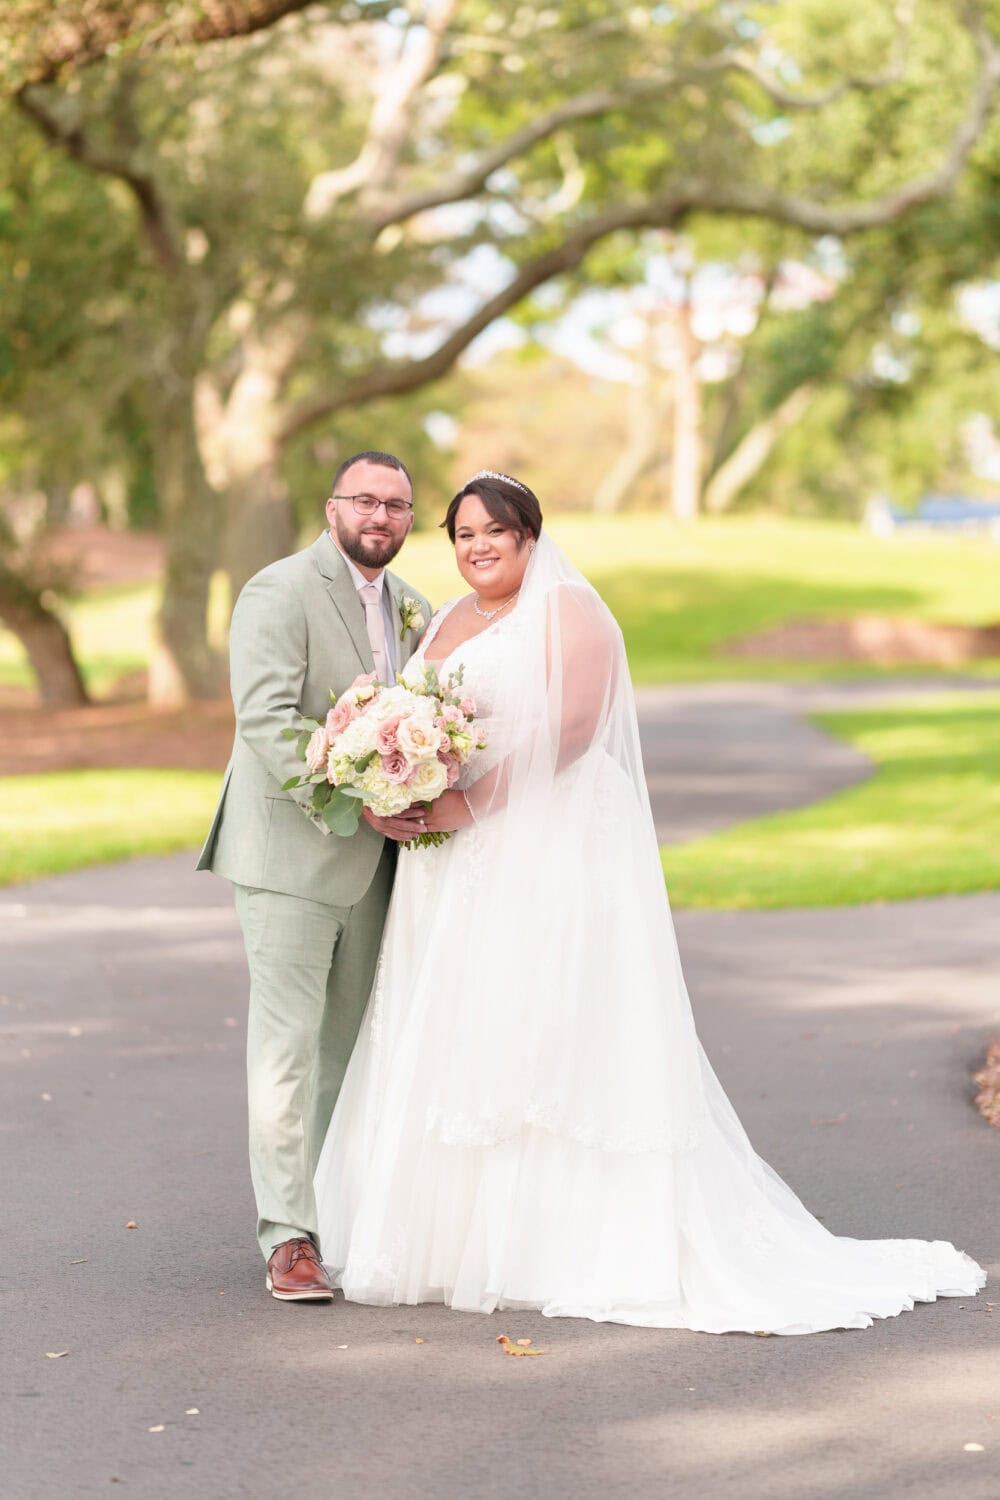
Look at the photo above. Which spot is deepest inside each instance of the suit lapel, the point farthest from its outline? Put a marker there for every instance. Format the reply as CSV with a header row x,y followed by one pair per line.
x,y
340,587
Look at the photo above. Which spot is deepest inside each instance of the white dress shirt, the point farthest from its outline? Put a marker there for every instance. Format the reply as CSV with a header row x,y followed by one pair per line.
x,y
360,581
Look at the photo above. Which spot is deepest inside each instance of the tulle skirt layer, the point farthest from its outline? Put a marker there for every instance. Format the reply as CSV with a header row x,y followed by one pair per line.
x,y
539,1134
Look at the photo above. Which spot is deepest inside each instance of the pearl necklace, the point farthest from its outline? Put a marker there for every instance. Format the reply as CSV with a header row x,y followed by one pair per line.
x,y
488,614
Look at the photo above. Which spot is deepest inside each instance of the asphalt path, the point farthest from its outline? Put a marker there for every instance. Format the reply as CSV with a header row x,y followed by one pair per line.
x,y
845,1040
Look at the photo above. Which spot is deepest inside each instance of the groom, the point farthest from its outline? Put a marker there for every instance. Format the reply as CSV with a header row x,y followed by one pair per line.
x,y
311,905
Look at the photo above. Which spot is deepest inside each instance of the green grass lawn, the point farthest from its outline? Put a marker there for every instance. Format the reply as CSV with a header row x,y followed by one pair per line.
x,y
66,820
680,593
926,824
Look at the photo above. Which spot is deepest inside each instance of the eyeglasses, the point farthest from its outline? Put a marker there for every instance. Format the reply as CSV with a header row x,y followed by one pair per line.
x,y
367,505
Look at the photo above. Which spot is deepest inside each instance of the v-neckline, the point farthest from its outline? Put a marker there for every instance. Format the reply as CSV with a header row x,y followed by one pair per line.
x,y
431,662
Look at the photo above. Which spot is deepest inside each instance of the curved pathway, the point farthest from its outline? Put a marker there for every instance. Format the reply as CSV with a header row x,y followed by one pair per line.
x,y
843,1037
720,753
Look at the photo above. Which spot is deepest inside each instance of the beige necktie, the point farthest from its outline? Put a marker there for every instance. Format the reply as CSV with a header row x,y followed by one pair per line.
x,y
375,624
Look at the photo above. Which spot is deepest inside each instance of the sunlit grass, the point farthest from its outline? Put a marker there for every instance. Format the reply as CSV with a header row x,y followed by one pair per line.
x,y
680,593
926,824
66,820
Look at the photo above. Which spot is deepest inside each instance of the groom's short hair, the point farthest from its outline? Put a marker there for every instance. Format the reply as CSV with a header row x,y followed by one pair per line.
x,y
371,456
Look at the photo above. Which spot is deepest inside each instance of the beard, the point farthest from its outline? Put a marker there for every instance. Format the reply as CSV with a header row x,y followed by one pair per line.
x,y
370,551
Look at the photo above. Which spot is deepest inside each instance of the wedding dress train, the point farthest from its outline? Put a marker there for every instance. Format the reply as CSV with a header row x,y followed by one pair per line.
x,y
528,1119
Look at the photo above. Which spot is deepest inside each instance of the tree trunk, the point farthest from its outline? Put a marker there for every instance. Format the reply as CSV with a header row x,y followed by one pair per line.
x,y
240,438
645,413
183,666
752,452
260,524
688,456
46,641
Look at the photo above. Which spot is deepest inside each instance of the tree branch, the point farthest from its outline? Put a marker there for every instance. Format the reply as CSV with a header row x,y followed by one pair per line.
x,y
391,115
472,179
597,102
396,379
74,35
687,196
743,62
60,118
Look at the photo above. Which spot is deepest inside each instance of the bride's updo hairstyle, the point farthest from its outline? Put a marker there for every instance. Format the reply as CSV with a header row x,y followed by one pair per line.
x,y
508,501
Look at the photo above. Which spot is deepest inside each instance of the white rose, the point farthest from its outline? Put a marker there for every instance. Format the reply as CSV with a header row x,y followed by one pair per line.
x,y
428,781
393,701
419,740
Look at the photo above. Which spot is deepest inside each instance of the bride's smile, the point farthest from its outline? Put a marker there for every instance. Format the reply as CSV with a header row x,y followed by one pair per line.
x,y
491,557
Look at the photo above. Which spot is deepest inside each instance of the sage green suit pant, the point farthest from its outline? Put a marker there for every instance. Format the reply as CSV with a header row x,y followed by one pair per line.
x,y
311,971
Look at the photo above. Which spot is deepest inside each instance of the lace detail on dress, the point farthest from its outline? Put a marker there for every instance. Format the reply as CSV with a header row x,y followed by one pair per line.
x,y
756,1232
377,1020
457,1129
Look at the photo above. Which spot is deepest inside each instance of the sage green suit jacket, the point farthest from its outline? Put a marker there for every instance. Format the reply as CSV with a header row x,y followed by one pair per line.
x,y
297,631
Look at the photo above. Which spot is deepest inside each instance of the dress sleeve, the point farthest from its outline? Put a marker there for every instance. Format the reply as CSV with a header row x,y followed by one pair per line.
x,y
558,710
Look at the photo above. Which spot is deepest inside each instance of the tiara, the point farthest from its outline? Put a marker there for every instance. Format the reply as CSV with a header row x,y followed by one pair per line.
x,y
495,474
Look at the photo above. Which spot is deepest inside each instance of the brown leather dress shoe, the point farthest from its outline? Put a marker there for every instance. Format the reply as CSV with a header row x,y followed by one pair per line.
x,y
295,1273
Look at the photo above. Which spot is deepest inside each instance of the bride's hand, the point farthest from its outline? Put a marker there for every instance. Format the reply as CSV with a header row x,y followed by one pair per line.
x,y
448,813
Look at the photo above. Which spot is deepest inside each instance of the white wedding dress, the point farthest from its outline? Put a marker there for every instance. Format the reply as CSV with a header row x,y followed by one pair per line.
x,y
528,1119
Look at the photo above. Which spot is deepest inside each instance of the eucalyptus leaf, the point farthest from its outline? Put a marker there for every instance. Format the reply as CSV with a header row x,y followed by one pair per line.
x,y
342,815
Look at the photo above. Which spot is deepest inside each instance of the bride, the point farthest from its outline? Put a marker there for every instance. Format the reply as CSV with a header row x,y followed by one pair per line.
x,y
528,1119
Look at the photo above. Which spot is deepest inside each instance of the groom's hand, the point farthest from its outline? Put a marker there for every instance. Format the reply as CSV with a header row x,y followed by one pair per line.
x,y
403,826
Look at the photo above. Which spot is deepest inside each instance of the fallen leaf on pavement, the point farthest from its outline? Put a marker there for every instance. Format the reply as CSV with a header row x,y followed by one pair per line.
x,y
509,1348
160,1428
418,1341
192,1411
131,1224
58,1354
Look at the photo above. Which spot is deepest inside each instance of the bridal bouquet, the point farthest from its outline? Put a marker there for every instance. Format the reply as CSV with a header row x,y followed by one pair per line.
x,y
386,748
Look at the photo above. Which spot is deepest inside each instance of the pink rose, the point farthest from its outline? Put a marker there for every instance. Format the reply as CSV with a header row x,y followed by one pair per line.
x,y
449,715
339,717
468,707
451,764
317,750
395,767
386,740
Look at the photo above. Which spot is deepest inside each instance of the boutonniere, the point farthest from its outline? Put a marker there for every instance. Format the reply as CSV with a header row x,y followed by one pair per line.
x,y
411,615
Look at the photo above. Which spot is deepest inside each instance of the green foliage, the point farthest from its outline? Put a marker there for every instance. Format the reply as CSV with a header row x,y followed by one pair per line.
x,y
924,825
